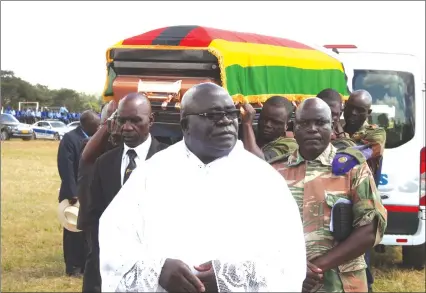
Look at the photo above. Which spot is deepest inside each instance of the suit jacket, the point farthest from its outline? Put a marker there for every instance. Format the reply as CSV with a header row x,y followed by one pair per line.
x,y
69,153
106,181
85,176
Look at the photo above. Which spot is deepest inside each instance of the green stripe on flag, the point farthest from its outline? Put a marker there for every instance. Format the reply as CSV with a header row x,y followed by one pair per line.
x,y
261,80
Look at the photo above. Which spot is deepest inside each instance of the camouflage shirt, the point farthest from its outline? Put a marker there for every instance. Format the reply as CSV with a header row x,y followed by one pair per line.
x,y
370,135
279,147
316,190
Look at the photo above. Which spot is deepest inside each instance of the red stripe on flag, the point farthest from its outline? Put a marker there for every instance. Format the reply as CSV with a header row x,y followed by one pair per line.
x,y
145,38
203,36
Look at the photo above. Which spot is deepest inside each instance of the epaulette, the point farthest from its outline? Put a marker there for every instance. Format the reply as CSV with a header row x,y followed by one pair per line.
x,y
279,159
345,160
356,153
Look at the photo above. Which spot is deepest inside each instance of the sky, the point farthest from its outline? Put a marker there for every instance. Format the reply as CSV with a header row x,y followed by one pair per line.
x,y
63,44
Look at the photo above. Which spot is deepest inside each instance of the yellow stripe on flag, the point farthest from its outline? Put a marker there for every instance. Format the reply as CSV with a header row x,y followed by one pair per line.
x,y
249,54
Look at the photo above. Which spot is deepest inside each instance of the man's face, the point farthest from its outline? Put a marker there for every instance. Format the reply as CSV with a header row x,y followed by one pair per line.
x,y
211,128
272,123
312,130
134,122
355,113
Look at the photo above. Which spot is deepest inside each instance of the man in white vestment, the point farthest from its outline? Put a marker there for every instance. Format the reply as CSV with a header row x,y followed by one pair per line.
x,y
204,215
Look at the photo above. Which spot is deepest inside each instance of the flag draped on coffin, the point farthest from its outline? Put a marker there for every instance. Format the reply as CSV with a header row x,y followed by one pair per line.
x,y
253,67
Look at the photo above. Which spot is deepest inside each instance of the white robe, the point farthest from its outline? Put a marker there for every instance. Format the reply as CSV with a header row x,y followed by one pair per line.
x,y
236,211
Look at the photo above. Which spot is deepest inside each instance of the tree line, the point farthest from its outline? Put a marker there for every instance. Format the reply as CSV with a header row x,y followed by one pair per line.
x,y
14,90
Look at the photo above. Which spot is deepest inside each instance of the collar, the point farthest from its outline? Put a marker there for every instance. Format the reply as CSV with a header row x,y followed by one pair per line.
x,y
238,149
326,158
141,150
84,133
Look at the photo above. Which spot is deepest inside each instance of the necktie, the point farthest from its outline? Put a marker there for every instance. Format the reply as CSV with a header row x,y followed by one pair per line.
x,y
131,166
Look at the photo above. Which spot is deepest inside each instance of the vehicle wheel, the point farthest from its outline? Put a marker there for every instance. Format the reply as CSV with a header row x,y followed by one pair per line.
x,y
56,136
414,256
4,135
34,136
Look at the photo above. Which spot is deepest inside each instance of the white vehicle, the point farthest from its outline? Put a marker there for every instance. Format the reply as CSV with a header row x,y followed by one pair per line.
x,y
49,129
73,125
396,84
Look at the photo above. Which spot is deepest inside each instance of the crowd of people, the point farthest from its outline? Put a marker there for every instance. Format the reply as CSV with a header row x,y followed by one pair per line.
x,y
281,210
32,115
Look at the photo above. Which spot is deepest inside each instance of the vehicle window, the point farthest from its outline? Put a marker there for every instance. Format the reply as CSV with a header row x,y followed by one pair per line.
x,y
43,124
57,124
393,102
4,118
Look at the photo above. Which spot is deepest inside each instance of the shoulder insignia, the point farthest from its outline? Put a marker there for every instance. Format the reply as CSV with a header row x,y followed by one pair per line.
x,y
342,159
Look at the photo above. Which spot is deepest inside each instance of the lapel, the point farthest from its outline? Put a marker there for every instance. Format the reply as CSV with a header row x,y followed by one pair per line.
x,y
116,170
153,148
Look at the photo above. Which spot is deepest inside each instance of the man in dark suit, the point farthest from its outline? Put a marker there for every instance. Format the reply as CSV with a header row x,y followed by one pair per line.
x,y
112,169
69,152
98,144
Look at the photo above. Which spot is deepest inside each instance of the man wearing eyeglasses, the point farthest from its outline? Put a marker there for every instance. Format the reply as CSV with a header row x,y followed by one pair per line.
x,y
271,140
191,221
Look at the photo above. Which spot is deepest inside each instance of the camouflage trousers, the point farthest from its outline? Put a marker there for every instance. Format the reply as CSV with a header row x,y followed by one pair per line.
x,y
344,282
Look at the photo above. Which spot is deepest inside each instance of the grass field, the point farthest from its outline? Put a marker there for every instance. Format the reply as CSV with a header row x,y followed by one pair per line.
x,y
31,237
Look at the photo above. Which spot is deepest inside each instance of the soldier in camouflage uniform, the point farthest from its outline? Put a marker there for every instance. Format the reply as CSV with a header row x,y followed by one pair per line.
x,y
370,139
332,266
271,140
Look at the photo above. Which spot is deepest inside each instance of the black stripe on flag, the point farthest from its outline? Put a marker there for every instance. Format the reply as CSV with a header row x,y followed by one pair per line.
x,y
172,36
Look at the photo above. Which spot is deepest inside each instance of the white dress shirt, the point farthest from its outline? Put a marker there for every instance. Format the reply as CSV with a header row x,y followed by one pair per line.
x,y
236,211
141,152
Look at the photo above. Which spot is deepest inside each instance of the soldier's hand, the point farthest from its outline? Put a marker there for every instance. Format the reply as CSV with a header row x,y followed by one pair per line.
x,y
111,108
247,113
314,277
338,129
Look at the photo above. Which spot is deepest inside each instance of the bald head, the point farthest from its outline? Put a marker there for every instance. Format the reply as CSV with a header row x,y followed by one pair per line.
x,y
89,122
313,127
361,98
200,95
135,100
315,104
357,109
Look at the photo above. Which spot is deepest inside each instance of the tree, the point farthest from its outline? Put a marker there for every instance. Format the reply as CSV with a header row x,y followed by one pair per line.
x,y
15,90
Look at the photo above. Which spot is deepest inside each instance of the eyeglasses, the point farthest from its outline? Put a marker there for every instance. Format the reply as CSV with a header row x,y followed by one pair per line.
x,y
217,116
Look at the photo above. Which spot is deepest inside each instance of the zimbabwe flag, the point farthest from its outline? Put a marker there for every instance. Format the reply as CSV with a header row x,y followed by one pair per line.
x,y
253,67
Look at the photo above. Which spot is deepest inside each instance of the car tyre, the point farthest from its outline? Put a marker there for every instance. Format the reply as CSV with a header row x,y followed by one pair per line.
x,y
4,135
34,136
56,136
414,256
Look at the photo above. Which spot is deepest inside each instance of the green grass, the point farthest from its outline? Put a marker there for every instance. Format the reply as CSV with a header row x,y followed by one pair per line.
x,y
31,236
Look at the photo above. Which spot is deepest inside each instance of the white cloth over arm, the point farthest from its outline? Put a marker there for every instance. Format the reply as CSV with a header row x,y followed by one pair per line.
x,y
178,208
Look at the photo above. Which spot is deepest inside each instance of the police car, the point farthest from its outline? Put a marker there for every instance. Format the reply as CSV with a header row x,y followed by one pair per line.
x,y
49,129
